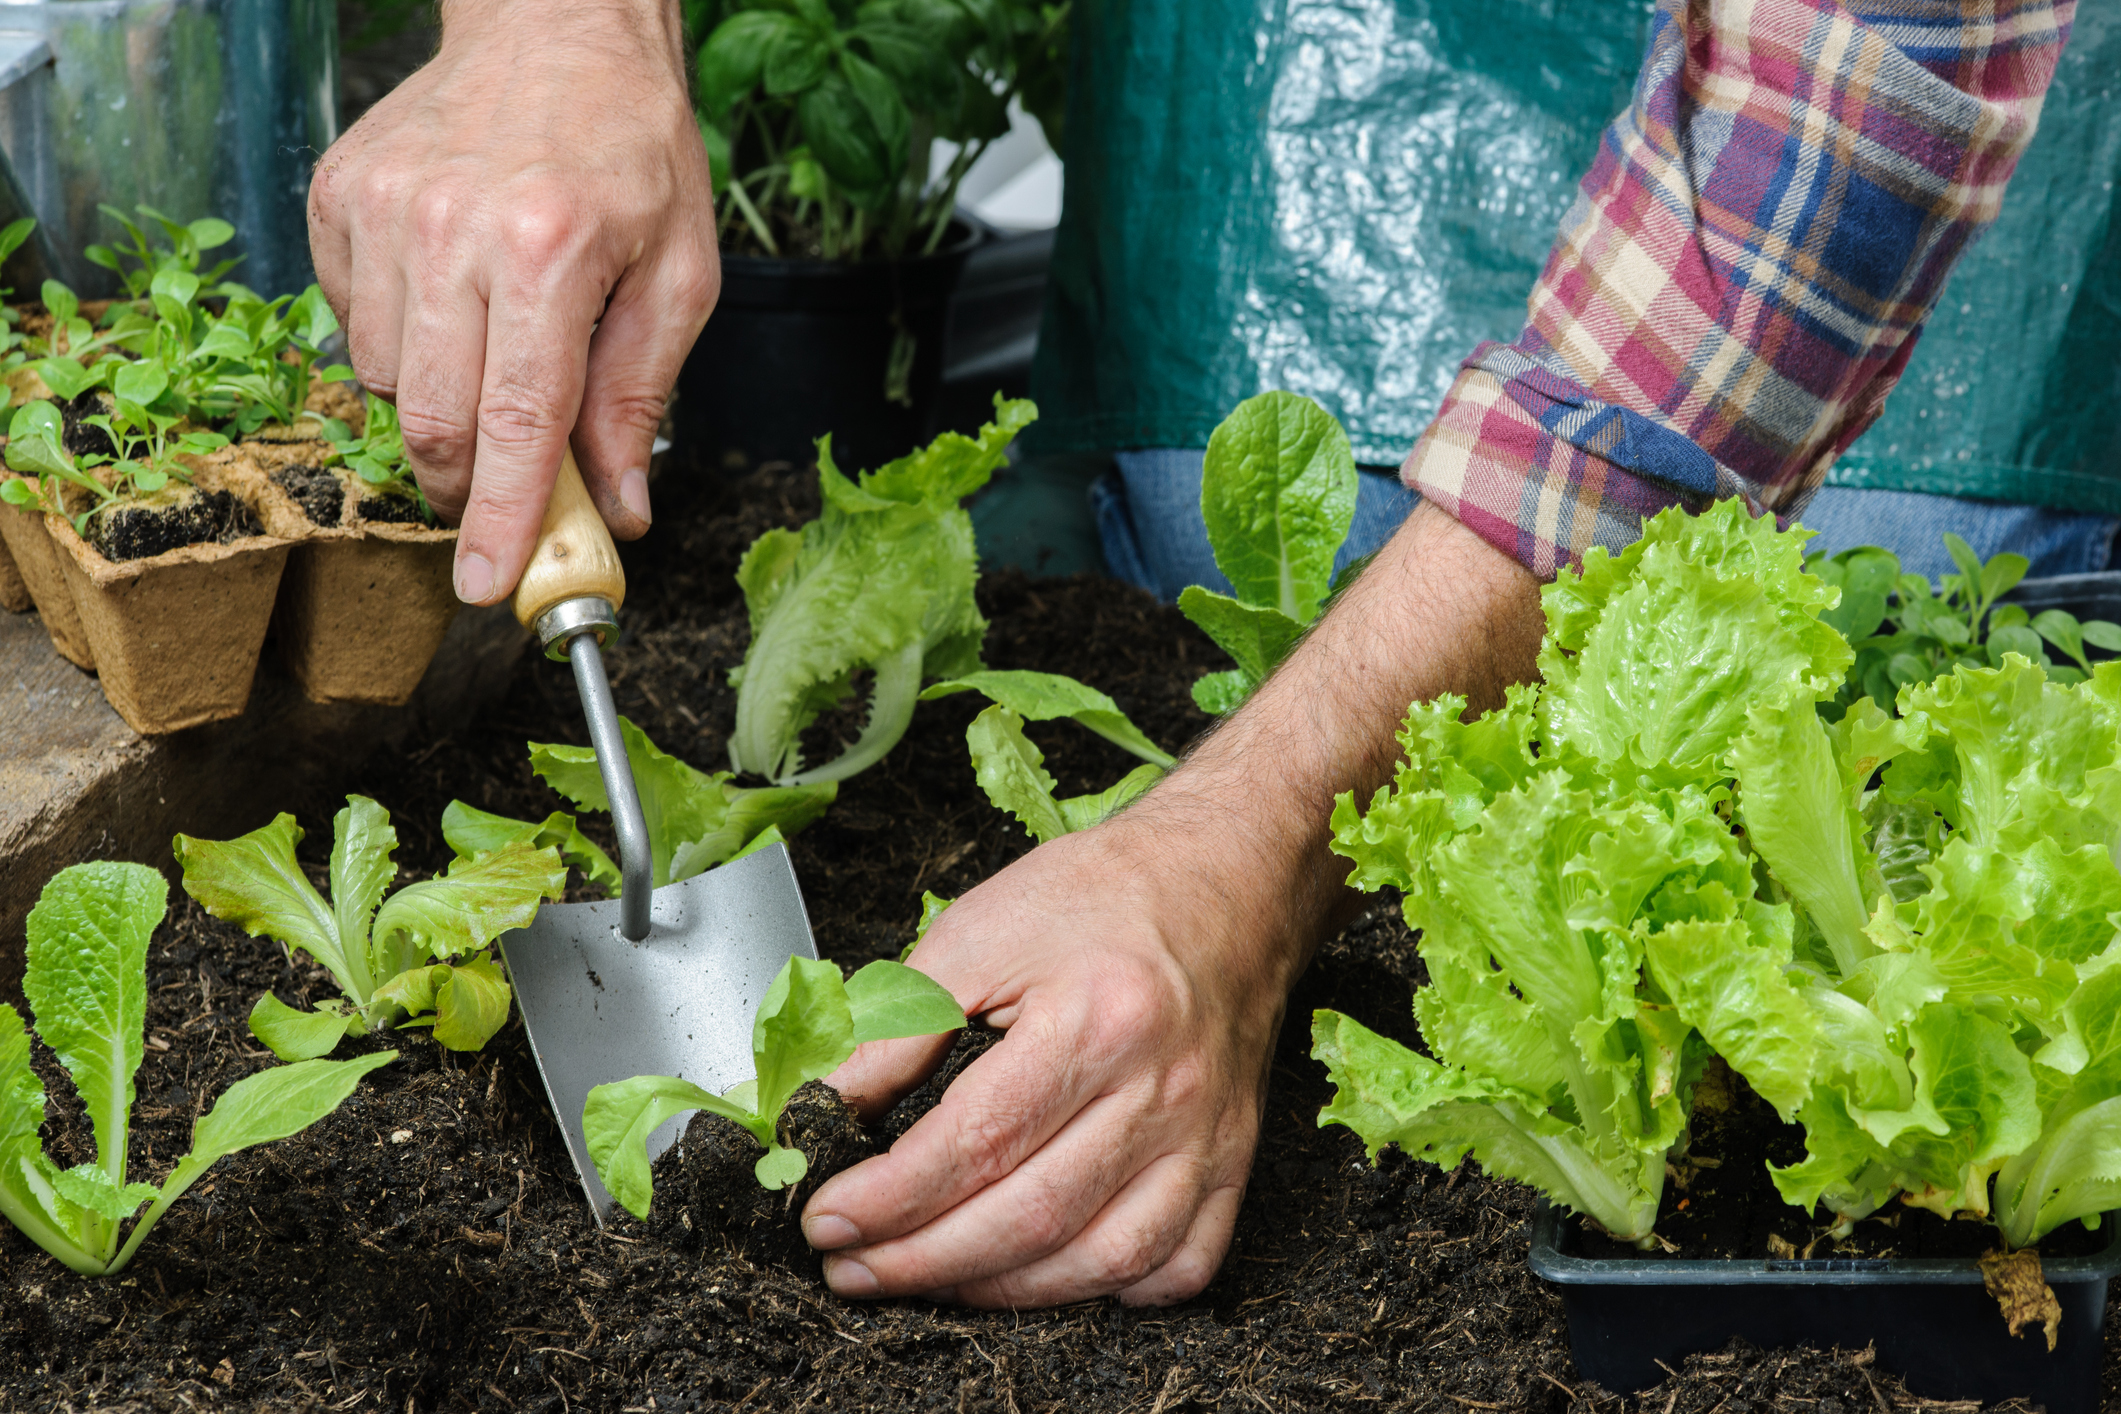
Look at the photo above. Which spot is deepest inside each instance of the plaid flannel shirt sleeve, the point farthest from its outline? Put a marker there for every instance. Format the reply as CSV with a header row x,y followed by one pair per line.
x,y
1744,272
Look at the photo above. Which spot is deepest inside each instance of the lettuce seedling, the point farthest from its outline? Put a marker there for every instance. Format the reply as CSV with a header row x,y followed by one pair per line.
x,y
138,263
807,1025
1278,495
1592,926
1906,631
881,582
695,820
422,961
1012,770
86,984
377,456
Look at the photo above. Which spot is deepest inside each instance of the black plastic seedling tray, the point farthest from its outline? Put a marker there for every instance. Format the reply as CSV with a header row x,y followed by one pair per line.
x,y
1931,1321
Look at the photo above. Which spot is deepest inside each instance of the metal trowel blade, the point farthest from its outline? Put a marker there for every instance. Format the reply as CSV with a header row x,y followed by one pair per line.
x,y
599,1008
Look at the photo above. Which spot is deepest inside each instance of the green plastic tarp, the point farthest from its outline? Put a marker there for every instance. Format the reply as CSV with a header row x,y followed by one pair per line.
x,y
1344,197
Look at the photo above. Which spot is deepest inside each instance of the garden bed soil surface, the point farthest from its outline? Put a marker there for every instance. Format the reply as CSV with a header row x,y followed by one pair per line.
x,y
427,1246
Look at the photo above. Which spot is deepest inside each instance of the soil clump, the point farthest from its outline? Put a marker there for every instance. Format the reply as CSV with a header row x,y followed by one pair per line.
x,y
196,517
317,491
427,1247
396,510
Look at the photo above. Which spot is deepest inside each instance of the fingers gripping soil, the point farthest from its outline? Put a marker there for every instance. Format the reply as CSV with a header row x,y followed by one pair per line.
x,y
1072,1159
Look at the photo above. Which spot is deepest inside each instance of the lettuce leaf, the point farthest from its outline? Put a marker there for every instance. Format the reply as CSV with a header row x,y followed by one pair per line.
x,y
695,819
881,582
1590,922
1277,495
806,1026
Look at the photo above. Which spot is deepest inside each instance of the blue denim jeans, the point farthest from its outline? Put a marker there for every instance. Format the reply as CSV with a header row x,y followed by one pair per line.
x,y
1149,523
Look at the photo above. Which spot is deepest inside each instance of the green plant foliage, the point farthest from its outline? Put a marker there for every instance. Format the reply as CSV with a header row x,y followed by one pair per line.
x,y
818,118
881,582
1278,495
1978,1030
1012,770
1900,930
1588,917
695,820
85,980
377,456
1905,630
807,1025
185,356
418,958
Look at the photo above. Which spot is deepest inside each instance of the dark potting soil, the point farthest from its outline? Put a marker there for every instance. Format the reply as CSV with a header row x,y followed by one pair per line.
x,y
1720,1202
317,491
427,1247
75,431
396,510
203,518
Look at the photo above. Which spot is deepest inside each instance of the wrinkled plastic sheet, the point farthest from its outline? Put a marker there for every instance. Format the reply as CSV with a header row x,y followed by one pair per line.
x,y
1338,197
1344,197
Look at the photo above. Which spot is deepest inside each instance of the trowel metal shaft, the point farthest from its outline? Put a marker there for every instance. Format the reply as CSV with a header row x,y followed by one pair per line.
x,y
635,860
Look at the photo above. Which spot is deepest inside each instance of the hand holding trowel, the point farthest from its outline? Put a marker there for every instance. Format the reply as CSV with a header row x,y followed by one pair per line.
x,y
658,981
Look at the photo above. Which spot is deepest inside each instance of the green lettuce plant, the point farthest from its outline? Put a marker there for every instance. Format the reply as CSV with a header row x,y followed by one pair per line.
x,y
881,582
149,444
1973,999
1590,921
695,820
1012,770
86,982
1278,495
418,958
807,1025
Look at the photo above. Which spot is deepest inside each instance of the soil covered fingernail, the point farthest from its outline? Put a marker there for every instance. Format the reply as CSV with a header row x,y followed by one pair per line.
x,y
850,1278
633,493
830,1232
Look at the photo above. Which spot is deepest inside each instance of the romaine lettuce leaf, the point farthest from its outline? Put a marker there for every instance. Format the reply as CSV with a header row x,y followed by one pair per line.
x,y
880,582
1277,495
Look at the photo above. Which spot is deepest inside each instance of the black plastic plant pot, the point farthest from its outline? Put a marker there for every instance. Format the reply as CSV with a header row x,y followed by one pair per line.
x,y
1932,1322
799,348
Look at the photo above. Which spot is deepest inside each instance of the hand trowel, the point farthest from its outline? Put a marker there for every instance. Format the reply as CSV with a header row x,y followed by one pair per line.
x,y
657,981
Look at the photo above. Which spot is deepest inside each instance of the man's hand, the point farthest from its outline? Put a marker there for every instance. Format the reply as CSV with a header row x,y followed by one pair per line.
x,y
520,242
1139,971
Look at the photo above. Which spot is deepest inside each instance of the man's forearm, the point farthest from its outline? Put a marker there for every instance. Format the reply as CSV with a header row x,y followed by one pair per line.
x,y
1439,610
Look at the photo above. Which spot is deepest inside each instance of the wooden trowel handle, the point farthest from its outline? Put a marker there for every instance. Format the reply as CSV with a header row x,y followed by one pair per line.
x,y
575,558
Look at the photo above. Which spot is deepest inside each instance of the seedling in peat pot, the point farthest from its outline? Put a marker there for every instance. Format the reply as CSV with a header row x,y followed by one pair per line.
x,y
1013,771
377,456
695,820
424,961
807,1025
1278,495
86,983
881,582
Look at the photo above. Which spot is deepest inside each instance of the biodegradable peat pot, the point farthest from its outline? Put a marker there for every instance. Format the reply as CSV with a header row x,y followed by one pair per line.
x,y
365,601
14,589
176,635
35,559
799,348
361,617
1931,1320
